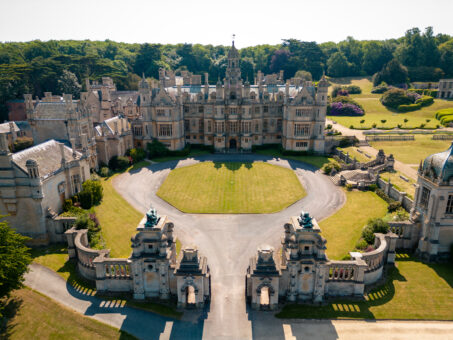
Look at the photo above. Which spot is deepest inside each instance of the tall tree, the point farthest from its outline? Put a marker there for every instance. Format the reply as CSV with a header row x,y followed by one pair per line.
x,y
68,83
14,259
148,59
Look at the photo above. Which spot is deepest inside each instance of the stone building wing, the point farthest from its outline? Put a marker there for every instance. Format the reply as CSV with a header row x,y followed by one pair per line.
x,y
47,155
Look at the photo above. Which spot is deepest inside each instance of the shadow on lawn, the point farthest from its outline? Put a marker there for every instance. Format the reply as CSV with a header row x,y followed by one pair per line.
x,y
233,166
347,308
9,307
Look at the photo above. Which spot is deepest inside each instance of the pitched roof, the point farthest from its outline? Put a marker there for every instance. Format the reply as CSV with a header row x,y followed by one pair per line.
x,y
47,155
52,110
4,128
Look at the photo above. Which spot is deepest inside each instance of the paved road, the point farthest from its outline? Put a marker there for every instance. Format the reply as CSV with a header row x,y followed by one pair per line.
x,y
229,241
264,325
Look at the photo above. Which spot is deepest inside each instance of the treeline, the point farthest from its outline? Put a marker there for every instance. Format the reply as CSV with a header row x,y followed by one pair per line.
x,y
36,66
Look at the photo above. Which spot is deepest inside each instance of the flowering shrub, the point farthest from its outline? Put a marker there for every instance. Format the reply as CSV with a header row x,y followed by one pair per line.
x,y
413,96
344,109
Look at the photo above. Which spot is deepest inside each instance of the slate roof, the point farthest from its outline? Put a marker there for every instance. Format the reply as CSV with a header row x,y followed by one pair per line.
x,y
52,110
108,126
47,155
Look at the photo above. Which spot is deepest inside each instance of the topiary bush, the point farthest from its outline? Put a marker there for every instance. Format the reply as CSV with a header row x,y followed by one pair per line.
x,y
104,172
425,101
91,194
118,163
394,98
409,108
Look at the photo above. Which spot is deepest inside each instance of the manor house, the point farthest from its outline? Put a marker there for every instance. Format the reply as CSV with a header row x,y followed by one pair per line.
x,y
232,115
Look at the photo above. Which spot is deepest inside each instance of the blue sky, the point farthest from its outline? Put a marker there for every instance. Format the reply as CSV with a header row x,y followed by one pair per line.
x,y
213,22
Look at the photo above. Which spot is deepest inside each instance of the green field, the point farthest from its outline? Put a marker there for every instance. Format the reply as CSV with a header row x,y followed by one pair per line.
x,y
375,111
30,315
342,230
231,188
413,290
412,152
352,150
399,183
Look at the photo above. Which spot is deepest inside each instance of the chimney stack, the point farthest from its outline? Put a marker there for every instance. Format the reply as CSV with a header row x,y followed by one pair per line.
x,y
73,146
63,159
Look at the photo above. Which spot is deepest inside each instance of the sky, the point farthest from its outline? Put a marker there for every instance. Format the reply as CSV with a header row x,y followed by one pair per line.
x,y
214,22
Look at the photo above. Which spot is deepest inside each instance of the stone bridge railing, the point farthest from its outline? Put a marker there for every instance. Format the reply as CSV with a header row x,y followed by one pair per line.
x,y
78,248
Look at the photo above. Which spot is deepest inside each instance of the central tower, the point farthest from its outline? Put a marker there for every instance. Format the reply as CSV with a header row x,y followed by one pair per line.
x,y
233,71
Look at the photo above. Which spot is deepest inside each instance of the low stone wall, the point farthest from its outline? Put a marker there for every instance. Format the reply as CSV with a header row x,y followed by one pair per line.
x,y
57,226
113,275
78,248
394,194
407,233
385,245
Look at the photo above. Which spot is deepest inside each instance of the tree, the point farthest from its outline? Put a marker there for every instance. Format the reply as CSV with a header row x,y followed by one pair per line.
x,y
91,194
338,65
148,59
69,84
393,73
279,61
14,259
305,75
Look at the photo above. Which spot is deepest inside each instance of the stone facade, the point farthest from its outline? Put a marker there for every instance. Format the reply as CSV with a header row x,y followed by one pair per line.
x,y
153,269
35,182
445,89
233,115
304,273
65,120
113,138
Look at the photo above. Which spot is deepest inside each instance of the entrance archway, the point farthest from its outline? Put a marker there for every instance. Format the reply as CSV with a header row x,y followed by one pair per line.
x,y
265,298
233,144
190,296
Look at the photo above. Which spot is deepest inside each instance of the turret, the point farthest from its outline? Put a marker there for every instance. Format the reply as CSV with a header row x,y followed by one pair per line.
x,y
29,107
321,93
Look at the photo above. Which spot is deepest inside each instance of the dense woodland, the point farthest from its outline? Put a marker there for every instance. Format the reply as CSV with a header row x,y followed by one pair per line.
x,y
61,66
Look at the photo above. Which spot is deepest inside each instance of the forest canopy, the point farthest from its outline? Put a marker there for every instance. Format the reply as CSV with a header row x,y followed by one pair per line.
x,y
37,66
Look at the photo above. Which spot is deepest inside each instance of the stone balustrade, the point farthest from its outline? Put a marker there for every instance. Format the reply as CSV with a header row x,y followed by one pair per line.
x,y
384,252
78,248
113,274
345,278
407,233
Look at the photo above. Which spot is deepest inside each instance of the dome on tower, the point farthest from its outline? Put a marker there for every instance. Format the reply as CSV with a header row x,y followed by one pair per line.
x,y
438,165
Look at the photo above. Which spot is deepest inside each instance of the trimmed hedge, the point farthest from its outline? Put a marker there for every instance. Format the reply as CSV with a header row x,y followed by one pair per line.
x,y
394,98
425,101
408,108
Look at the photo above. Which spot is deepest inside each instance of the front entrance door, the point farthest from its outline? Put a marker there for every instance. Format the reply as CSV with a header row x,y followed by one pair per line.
x,y
233,144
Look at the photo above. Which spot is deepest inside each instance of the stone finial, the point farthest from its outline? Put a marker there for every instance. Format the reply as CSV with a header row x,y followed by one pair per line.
x,y
73,147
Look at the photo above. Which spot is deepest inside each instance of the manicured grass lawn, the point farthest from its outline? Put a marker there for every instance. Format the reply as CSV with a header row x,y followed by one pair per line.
x,y
342,230
317,161
375,111
399,183
231,187
34,316
56,258
412,152
414,290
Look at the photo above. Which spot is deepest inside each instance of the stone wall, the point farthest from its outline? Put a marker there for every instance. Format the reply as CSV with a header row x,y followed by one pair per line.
x,y
407,232
78,248
345,278
388,188
113,275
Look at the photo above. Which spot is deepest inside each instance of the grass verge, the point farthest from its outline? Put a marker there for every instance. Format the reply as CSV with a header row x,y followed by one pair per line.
x,y
30,315
413,291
